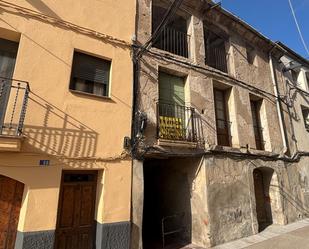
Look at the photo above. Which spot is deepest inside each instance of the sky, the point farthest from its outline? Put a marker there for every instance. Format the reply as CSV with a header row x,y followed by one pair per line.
x,y
274,19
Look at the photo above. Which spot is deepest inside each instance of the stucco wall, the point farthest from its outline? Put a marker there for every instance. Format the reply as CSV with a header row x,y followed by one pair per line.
x,y
73,131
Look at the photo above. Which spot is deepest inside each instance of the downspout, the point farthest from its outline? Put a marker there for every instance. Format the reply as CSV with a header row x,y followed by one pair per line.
x,y
278,104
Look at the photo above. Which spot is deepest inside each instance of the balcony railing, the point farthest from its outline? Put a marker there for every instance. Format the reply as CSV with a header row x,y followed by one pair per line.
x,y
13,105
216,58
173,41
179,123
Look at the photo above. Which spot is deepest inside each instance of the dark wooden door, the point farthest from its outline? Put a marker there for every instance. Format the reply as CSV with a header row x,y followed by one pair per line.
x,y
11,195
76,224
260,198
222,124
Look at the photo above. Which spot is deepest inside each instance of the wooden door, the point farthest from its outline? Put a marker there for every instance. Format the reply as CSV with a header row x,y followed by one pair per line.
x,y
257,127
222,124
260,198
76,224
11,195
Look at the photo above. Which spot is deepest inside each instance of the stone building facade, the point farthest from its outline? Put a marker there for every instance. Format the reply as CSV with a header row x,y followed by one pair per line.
x,y
215,158
65,109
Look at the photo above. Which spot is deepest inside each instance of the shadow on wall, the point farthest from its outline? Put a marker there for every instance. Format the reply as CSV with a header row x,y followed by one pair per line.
x,y
42,7
294,201
59,134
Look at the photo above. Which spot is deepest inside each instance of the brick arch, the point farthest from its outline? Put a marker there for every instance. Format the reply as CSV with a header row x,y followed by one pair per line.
x,y
11,195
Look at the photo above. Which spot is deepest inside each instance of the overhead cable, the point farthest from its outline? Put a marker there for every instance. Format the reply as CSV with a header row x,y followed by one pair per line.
x,y
298,27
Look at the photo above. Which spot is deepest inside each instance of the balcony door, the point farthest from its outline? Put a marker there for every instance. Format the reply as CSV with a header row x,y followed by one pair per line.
x,y
172,109
215,51
8,52
257,127
222,123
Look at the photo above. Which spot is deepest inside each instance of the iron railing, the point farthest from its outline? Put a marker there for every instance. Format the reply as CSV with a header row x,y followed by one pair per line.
x,y
179,123
173,224
13,104
216,58
173,41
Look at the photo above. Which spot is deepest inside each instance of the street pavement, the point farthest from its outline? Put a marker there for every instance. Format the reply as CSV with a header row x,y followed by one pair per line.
x,y
292,236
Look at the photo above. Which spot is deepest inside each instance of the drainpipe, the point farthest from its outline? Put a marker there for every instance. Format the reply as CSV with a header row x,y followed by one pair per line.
x,y
278,104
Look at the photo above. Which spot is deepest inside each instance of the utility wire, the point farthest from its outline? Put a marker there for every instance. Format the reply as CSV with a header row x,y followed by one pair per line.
x,y
298,28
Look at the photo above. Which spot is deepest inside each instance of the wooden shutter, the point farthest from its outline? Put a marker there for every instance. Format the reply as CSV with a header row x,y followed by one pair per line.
x,y
171,89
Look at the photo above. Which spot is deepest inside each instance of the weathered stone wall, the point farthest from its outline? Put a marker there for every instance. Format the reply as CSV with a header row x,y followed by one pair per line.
x,y
231,196
200,80
223,204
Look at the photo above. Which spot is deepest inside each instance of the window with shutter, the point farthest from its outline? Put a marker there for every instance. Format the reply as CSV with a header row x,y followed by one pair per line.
x,y
90,74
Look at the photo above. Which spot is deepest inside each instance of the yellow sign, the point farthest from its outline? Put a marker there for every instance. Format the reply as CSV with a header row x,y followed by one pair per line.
x,y
171,128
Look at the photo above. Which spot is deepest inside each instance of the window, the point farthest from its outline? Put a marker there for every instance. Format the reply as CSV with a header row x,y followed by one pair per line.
x,y
294,76
222,123
171,107
256,120
251,54
215,51
8,52
305,112
307,78
90,75
174,36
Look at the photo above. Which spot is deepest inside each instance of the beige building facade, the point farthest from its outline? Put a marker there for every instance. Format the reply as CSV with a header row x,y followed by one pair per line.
x,y
215,160
66,106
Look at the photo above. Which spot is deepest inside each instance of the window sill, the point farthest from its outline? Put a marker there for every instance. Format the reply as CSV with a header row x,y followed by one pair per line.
x,y
90,95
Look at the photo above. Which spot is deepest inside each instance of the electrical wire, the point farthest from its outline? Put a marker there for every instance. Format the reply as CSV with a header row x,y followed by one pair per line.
x,y
62,23
298,27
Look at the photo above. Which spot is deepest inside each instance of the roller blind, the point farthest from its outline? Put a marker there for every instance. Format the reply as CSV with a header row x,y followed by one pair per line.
x,y
90,68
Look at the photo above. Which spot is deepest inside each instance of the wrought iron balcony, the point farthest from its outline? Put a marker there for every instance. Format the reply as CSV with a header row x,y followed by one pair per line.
x,y
173,41
216,58
179,123
13,105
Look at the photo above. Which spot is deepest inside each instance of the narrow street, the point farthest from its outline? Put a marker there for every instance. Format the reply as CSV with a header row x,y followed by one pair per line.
x,y
292,236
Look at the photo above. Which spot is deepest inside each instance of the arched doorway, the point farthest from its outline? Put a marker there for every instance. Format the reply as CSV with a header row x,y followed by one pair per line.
x,y
262,179
11,195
